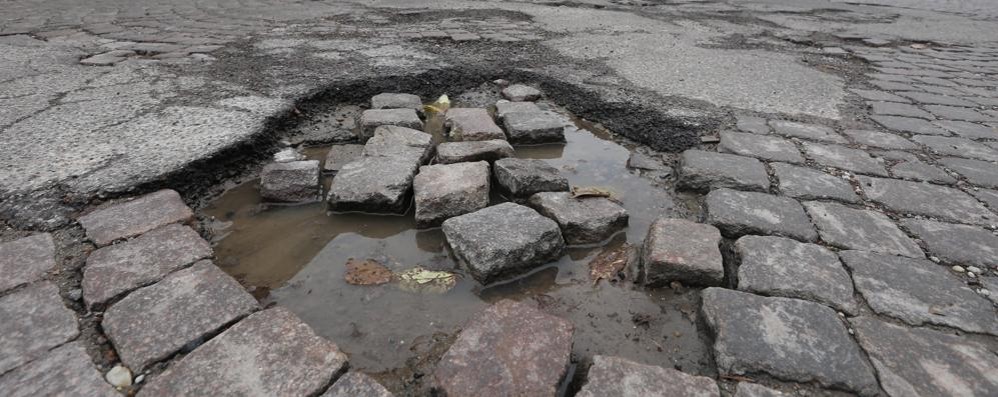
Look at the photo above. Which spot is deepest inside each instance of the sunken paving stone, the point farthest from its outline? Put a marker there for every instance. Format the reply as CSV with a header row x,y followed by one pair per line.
x,y
956,244
909,124
924,362
509,349
25,260
738,213
291,182
745,389
880,140
615,376
35,320
812,132
845,158
458,152
503,240
153,322
777,266
373,184
535,127
641,161
958,113
340,155
849,228
967,129
63,371
918,291
397,101
770,148
583,220
521,178
400,142
684,251
120,268
702,171
132,218
356,384
915,170
805,183
755,125
520,93
898,109
374,118
472,124
981,173
790,339
958,147
447,190
926,199
504,107
269,353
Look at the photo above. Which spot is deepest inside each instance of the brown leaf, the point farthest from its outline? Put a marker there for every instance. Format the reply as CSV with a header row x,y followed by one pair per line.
x,y
366,272
608,263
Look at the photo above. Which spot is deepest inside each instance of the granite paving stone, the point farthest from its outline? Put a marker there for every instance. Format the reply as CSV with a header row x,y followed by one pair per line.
x,y
615,376
957,113
958,147
371,119
684,251
805,183
877,95
134,217
812,132
880,140
909,124
457,152
63,371
294,182
899,109
472,124
25,260
413,146
770,148
504,107
703,171
42,323
522,178
981,173
937,99
989,197
893,155
534,127
391,100
520,93
915,170
583,220
956,244
745,389
845,158
967,129
926,199
849,228
444,191
340,155
738,213
356,384
373,184
756,125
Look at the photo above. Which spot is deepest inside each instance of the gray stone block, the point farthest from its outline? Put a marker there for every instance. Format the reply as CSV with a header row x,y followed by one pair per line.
x,y
925,199
535,127
390,100
845,158
472,124
25,260
340,155
915,170
967,129
63,371
583,220
504,107
738,213
812,132
959,147
134,217
981,173
956,244
808,184
520,93
401,143
457,152
702,171
521,178
880,140
684,251
772,148
447,190
615,376
35,320
374,118
291,182
848,228
909,124
356,384
373,184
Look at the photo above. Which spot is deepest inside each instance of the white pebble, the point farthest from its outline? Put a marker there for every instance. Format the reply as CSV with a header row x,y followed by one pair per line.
x,y
984,292
974,269
971,274
959,269
119,376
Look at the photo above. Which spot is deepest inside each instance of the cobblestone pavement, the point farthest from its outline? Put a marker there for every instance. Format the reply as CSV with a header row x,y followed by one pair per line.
x,y
844,158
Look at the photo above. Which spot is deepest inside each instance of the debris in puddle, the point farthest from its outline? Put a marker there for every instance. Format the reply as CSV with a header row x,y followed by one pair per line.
x,y
591,191
419,279
366,272
609,263
440,106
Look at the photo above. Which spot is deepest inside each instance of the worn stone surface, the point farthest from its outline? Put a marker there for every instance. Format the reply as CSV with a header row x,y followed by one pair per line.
x,y
849,228
989,197
447,190
978,172
356,384
787,338
340,155
504,107
918,291
534,127
457,152
520,92
640,161
926,199
521,178
923,362
809,184
583,220
153,322
956,244
812,132
745,389
615,376
132,218
510,349
288,155
967,129
915,170
958,113
772,148
777,266
899,109
503,240
373,184
294,182
25,260
879,139
35,320
958,147
845,158
63,371
739,213
702,171
374,118
271,352
400,142
684,251
391,100
472,124
909,124
756,125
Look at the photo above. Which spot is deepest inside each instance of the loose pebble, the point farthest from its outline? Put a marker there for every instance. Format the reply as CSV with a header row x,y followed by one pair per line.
x,y
958,269
119,376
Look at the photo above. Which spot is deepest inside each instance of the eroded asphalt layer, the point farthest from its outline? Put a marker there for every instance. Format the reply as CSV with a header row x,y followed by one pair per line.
x,y
853,184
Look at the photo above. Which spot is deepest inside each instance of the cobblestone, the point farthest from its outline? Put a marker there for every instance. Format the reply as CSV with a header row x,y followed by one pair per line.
x,y
926,199
26,260
132,218
845,158
738,213
458,152
702,171
770,148
684,251
850,228
915,170
909,124
63,371
812,132
958,147
880,140
42,323
808,184
981,173
956,244
356,384
615,376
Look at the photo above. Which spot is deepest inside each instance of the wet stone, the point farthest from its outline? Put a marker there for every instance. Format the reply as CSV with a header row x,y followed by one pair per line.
x,y
812,132
615,376
520,93
684,251
908,124
845,158
956,244
35,320
918,291
808,184
645,162
63,371
472,124
777,266
288,155
702,171
397,101
787,338
374,118
340,155
271,352
25,260
521,178
926,199
503,240
583,220
967,129
981,173
504,107
458,152
153,322
958,147
915,170
755,125
745,389
132,218
411,145
373,184
510,349
924,362
849,228
880,140
738,213
447,190
770,148
356,384
291,182
120,268
535,127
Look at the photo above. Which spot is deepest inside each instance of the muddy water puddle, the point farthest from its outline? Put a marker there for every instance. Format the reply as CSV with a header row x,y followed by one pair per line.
x,y
295,256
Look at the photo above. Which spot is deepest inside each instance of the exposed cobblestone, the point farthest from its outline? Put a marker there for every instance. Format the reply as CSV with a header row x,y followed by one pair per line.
x,y
25,260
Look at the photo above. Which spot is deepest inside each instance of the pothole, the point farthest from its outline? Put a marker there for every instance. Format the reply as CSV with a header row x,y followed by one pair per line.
x,y
296,256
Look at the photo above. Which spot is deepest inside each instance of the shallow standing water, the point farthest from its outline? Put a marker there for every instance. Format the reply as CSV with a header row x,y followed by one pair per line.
x,y
295,256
